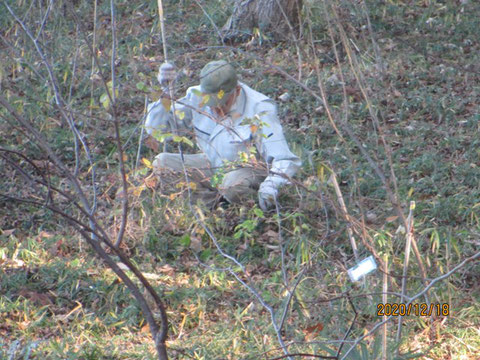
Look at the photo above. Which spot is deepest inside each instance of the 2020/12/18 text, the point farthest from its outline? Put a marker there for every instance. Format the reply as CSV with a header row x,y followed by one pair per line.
x,y
423,309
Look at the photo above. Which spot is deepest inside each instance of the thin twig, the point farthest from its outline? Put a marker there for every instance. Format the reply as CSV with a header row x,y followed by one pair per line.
x,y
280,240
74,69
68,117
36,136
408,243
375,46
385,300
142,131
350,327
44,21
116,125
353,243
295,39
211,21
289,299
303,355
162,29
94,45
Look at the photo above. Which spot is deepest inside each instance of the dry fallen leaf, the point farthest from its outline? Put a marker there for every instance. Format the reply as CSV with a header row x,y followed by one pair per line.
x,y
196,243
7,232
145,329
152,143
151,182
37,298
167,270
391,218
313,331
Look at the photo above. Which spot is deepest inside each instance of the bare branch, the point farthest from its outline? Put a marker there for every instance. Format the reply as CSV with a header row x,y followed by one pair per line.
x,y
116,125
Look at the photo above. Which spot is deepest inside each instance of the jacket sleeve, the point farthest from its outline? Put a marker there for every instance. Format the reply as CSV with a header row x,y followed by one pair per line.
x,y
273,147
160,114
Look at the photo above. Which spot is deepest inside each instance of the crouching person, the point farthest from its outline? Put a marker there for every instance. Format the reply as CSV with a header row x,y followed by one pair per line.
x,y
237,129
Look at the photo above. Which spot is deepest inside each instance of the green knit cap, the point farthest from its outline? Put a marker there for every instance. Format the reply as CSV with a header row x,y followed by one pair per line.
x,y
216,76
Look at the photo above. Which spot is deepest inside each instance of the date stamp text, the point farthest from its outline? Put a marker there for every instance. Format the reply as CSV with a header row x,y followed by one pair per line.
x,y
423,309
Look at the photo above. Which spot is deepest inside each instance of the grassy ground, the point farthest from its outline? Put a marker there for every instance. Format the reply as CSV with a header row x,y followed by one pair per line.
x,y
57,301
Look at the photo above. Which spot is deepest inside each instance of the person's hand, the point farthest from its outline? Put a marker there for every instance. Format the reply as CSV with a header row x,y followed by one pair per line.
x,y
267,195
166,74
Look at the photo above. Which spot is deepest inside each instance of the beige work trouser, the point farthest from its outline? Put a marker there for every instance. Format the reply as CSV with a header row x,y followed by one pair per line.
x,y
237,185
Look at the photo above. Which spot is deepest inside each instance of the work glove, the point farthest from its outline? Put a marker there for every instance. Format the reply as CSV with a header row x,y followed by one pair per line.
x,y
166,74
267,195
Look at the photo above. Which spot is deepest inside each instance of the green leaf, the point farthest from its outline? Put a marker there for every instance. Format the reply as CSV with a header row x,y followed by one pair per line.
x,y
205,254
142,171
185,240
159,136
180,114
141,86
258,212
182,139
249,224
187,141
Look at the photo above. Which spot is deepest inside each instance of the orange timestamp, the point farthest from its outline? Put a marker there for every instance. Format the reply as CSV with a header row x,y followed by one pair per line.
x,y
423,309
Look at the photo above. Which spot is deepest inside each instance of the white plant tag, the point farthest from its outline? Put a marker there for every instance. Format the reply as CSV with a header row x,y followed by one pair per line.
x,y
363,268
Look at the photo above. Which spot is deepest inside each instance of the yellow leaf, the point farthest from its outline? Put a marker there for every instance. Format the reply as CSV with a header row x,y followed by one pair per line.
x,y
180,184
147,163
321,173
412,205
137,191
180,114
221,94
410,192
205,100
172,196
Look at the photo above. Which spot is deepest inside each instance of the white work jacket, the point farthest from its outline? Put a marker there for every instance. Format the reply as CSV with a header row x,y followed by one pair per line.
x,y
222,140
